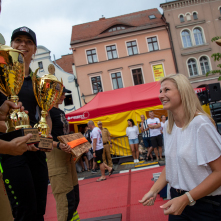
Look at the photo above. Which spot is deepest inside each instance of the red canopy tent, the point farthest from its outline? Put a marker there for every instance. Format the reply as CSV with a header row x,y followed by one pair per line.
x,y
117,101
121,100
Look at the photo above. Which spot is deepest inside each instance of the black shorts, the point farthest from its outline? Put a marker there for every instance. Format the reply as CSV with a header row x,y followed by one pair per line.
x,y
98,159
156,141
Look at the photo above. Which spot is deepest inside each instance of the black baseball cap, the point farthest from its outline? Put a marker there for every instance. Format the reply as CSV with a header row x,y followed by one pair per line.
x,y
24,31
66,90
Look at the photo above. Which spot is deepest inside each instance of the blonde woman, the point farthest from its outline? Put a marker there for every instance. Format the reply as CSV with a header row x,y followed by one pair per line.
x,y
193,150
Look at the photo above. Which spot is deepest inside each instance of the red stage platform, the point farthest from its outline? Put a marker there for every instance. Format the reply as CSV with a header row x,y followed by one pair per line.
x,y
118,194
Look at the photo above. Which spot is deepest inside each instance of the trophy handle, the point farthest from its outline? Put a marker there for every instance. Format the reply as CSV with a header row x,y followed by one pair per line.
x,y
34,83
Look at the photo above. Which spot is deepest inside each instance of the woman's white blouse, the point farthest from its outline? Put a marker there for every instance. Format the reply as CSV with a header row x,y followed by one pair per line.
x,y
132,132
189,151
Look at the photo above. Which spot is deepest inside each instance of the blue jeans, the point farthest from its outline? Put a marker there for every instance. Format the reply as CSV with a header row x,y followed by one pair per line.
x,y
133,141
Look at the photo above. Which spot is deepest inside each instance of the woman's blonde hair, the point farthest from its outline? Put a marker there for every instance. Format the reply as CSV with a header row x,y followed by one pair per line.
x,y
189,99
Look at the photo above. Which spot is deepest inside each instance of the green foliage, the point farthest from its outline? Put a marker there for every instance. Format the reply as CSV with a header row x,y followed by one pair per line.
x,y
215,38
216,57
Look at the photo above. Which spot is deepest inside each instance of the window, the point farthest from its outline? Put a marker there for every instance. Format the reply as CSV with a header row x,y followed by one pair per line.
x,y
204,64
117,80
188,17
116,28
132,47
220,10
96,84
198,36
152,44
195,16
91,56
137,76
40,65
182,18
111,52
152,16
186,39
68,100
192,66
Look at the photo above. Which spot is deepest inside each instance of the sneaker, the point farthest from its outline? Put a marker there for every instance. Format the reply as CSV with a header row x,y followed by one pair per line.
x,y
135,161
138,161
93,171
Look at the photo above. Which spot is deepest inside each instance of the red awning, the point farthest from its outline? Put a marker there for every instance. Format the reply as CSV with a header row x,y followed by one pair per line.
x,y
120,100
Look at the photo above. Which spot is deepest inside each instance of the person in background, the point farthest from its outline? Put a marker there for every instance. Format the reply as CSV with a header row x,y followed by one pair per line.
x,y
146,137
163,121
90,152
155,134
106,140
193,156
97,144
132,132
61,167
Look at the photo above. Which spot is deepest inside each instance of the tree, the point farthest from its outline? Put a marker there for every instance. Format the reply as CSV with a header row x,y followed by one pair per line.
x,y
216,57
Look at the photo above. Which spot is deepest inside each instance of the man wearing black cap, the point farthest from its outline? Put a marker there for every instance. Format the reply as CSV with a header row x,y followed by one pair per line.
x,y
61,167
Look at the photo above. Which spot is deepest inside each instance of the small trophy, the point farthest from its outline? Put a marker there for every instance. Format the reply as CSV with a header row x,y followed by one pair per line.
x,y
47,90
12,73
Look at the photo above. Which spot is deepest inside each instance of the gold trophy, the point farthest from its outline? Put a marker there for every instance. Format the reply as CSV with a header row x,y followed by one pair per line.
x,y
12,73
47,90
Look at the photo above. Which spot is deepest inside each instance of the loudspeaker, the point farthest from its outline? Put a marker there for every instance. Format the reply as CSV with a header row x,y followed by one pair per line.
x,y
214,92
203,97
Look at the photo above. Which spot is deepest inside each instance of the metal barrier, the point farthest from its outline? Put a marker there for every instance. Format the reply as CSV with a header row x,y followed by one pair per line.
x,y
120,147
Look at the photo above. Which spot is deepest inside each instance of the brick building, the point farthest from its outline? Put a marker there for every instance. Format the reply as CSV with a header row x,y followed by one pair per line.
x,y
193,23
121,51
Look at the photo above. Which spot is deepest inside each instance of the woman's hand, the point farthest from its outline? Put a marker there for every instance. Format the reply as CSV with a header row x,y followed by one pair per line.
x,y
33,148
176,205
65,147
148,199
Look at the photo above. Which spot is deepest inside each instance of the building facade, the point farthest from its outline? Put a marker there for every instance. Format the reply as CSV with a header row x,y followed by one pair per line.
x,y
66,63
193,23
122,51
42,60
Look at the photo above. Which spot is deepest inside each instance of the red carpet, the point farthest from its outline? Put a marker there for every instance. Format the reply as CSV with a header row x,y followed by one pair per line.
x,y
118,194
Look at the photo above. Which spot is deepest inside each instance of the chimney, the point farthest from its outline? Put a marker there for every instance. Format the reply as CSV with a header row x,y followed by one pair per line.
x,y
102,18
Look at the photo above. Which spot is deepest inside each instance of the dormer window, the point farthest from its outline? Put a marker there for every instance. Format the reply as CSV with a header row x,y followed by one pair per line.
x,y
152,16
116,28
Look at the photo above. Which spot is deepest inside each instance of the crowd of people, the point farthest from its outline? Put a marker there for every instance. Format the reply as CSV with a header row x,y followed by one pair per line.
x,y
152,135
192,150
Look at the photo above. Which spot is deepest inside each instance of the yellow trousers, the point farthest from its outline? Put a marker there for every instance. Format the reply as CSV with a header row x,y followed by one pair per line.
x,y
107,155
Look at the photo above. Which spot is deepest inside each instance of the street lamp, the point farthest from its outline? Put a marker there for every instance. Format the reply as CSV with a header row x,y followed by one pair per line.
x,y
83,98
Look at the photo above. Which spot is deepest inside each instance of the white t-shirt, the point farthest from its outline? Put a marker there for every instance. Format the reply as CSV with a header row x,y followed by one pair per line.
x,y
162,125
154,132
96,133
189,151
132,132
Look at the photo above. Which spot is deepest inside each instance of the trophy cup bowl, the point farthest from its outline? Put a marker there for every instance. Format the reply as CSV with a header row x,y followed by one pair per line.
x,y
47,90
12,73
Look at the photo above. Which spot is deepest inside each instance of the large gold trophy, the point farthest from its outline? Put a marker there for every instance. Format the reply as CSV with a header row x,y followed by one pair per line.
x,y
47,90
12,73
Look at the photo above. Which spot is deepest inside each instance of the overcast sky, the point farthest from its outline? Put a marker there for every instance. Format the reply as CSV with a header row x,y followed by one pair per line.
x,y
52,20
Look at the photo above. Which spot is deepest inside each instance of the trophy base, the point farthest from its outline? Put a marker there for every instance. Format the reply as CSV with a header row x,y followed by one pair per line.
x,y
45,143
22,132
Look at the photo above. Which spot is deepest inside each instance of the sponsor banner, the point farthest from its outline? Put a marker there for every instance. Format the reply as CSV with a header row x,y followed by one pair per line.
x,y
158,72
198,90
84,116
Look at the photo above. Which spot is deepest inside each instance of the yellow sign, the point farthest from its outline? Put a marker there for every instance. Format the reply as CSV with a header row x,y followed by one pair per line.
x,y
158,72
